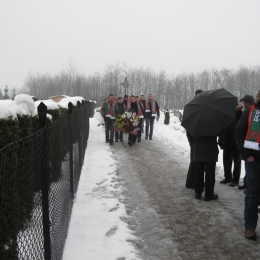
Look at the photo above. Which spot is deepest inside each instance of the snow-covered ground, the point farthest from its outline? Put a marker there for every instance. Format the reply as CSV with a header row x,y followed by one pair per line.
x,y
97,230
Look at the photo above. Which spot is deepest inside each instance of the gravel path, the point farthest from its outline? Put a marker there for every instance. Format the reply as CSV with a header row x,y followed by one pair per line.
x,y
168,221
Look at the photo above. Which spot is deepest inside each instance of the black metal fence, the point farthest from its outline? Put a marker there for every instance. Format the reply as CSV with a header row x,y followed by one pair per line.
x,y
38,179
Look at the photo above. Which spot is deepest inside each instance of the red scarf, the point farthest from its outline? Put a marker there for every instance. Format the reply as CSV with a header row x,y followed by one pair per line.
x,y
253,132
140,111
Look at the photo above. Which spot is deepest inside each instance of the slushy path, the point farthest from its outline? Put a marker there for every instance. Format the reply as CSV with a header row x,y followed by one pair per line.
x,y
168,221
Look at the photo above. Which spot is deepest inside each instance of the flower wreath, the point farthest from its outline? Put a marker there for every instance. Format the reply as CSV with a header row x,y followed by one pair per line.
x,y
127,122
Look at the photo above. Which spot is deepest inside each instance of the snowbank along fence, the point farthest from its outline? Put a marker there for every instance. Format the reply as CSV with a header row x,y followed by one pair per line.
x,y
39,176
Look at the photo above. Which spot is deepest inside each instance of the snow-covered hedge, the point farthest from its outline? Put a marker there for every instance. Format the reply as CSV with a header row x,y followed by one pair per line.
x,y
19,117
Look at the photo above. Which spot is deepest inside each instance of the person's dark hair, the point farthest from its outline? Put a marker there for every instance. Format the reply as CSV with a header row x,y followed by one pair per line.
x,y
133,96
120,98
136,96
198,91
125,96
111,95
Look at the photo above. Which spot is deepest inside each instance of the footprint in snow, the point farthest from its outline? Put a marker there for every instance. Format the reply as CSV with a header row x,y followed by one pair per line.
x,y
101,182
113,209
111,232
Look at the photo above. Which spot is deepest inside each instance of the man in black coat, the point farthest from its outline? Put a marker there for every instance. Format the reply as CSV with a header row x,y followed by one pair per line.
x,y
247,137
190,179
230,152
142,100
121,110
205,156
134,109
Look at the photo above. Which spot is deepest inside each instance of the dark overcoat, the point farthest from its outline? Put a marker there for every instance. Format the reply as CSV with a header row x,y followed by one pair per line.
x,y
205,149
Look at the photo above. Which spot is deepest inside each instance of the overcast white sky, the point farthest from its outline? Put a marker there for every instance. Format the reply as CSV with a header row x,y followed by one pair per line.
x,y
172,35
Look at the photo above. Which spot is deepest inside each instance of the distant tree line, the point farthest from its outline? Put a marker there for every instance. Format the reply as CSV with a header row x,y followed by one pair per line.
x,y
169,91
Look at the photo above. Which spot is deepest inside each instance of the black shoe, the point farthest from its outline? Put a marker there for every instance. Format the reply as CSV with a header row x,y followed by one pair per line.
x,y
197,196
233,184
250,234
121,140
150,138
146,137
111,143
225,181
129,143
139,140
116,140
213,197
242,187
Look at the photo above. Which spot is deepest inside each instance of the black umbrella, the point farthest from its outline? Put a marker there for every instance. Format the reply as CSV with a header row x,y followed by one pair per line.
x,y
209,112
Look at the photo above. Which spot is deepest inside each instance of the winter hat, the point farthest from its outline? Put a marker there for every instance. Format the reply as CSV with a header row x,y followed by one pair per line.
x,y
248,98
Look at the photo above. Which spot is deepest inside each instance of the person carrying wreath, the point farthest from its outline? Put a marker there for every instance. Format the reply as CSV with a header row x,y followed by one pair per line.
x,y
121,110
134,109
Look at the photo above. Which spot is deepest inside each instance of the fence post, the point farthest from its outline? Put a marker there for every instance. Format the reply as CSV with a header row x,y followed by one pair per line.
x,y
70,107
88,115
79,134
42,112
83,128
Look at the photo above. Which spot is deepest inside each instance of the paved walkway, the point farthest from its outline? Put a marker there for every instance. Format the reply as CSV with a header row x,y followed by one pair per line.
x,y
168,221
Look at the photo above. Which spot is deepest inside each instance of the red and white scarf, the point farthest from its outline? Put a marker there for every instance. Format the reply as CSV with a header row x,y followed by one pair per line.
x,y
140,111
253,131
110,110
151,105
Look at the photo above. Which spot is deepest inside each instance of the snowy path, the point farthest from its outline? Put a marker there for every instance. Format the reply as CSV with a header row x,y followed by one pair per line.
x,y
170,223
132,204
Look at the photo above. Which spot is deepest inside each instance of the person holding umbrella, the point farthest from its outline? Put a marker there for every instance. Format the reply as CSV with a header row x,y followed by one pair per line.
x,y
205,156
190,179
247,136
204,118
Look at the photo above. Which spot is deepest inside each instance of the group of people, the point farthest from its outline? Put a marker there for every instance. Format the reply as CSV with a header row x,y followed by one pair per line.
x,y
147,111
240,140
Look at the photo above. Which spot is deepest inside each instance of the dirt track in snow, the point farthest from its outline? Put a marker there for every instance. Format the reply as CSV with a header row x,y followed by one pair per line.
x,y
168,221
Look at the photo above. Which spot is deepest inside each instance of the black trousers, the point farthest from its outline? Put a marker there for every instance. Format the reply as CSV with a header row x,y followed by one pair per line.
x,y
110,128
231,155
190,179
140,126
119,135
132,138
209,169
149,124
